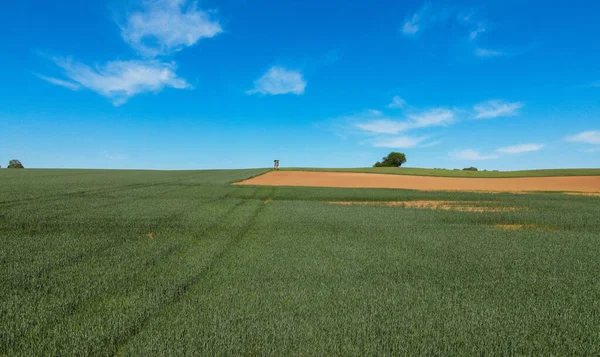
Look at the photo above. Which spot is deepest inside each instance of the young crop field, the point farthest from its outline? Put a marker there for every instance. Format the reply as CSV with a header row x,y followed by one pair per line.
x,y
151,263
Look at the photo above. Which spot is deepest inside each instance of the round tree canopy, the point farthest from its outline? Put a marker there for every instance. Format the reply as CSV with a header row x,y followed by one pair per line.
x,y
15,164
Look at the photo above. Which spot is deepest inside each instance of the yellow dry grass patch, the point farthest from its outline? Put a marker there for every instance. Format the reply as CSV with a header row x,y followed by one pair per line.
x,y
150,235
531,227
514,227
463,206
267,200
589,194
508,192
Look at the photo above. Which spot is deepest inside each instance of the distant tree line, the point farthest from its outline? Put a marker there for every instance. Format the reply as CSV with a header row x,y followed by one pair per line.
x,y
397,159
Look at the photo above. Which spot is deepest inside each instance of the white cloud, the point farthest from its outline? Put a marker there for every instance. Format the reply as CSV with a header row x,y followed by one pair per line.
x,y
279,80
398,142
586,137
397,102
411,25
121,80
518,149
59,82
167,26
496,108
374,121
471,155
433,117
484,52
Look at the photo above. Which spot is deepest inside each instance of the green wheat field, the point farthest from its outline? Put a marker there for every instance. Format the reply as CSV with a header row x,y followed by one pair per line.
x,y
159,263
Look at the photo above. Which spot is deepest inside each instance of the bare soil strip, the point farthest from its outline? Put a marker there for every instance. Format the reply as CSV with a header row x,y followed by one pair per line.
x,y
588,184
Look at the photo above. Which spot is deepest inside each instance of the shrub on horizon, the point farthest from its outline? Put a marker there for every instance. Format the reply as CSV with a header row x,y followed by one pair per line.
x,y
394,159
15,164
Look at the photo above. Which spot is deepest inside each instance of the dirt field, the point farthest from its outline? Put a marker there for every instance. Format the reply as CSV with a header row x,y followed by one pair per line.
x,y
426,183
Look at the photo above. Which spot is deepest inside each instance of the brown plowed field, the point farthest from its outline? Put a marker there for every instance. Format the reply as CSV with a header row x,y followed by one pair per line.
x,y
426,183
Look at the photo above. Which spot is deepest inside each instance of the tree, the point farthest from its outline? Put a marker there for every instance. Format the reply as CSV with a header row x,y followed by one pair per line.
x,y
470,169
394,159
15,164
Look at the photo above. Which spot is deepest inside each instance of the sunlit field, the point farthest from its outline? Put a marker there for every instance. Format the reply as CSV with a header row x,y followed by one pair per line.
x,y
150,263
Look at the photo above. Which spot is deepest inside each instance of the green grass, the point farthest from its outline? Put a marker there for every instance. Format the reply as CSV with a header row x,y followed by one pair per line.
x,y
456,173
224,273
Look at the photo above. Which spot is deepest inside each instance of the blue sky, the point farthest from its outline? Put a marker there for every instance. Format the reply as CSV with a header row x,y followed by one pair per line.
x,y
176,84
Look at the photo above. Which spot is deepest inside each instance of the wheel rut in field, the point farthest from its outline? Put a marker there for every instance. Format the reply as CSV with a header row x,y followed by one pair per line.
x,y
184,288
85,255
164,254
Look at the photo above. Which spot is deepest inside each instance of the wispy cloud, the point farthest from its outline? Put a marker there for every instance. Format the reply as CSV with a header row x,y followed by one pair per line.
x,y
433,117
59,82
397,102
587,137
426,16
496,108
484,52
384,131
438,16
375,122
474,33
471,155
518,149
382,126
398,142
121,80
166,26
475,26
430,15
279,80
411,26
391,130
